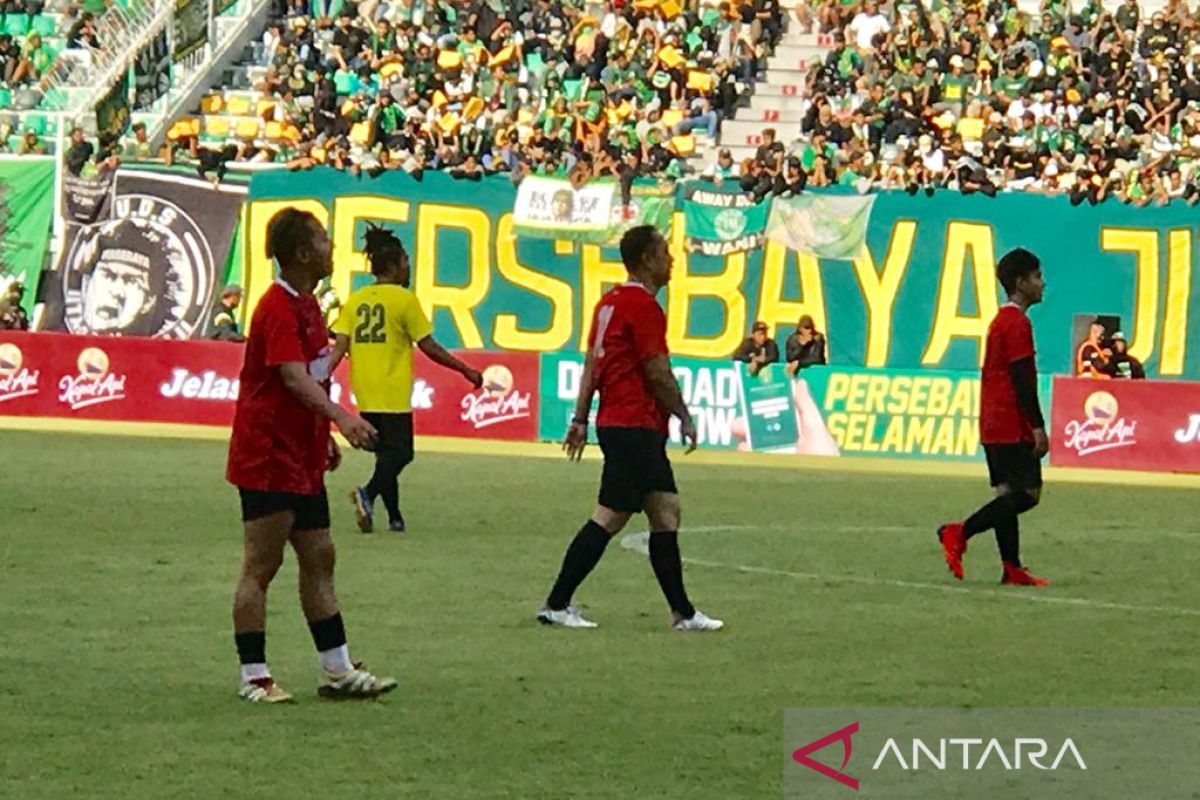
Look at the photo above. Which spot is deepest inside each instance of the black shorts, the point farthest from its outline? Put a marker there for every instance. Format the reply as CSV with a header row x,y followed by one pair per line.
x,y
1014,465
311,510
635,465
395,434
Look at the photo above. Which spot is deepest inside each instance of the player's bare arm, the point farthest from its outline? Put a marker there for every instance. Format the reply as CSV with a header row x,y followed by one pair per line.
x,y
576,439
295,376
666,392
341,347
438,355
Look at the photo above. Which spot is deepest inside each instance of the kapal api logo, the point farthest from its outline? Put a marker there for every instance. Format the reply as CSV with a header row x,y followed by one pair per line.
x,y
149,271
497,401
1102,428
16,380
94,384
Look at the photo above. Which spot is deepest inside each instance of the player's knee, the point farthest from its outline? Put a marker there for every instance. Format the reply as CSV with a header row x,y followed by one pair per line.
x,y
319,558
261,568
663,512
611,521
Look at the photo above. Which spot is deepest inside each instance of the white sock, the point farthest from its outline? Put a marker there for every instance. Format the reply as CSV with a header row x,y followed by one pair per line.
x,y
251,672
337,659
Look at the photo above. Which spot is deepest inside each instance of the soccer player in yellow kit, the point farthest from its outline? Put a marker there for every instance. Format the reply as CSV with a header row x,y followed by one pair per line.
x,y
378,327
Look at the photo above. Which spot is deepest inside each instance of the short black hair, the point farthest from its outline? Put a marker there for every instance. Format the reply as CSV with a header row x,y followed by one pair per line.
x,y
634,244
384,251
287,231
1014,265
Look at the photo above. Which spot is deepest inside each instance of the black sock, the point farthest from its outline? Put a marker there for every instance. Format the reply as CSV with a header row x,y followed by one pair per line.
x,y
1008,540
384,483
328,633
582,557
992,515
251,647
668,568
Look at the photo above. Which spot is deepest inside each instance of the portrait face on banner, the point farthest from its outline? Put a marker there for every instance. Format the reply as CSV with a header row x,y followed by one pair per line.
x,y
147,272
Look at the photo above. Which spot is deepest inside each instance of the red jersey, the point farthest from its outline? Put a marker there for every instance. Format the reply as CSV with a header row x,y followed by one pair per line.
x,y
1009,339
628,327
279,445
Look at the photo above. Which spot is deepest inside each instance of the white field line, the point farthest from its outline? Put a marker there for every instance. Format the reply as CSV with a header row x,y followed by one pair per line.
x,y
639,543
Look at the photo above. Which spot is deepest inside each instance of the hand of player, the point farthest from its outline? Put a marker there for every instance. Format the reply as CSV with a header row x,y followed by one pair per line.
x,y
687,430
357,430
576,441
335,456
1041,442
473,376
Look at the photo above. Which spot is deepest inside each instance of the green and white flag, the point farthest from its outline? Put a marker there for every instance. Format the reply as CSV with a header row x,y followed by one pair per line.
x,y
719,221
824,225
551,208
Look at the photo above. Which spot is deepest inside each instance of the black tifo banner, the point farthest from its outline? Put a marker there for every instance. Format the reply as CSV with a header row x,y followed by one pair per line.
x,y
189,27
112,112
145,259
152,72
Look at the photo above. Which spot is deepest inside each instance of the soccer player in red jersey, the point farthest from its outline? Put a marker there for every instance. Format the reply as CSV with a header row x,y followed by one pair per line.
x,y
280,450
1011,426
628,363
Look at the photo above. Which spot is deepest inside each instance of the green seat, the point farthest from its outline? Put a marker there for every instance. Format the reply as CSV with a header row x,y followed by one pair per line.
x,y
45,25
14,142
16,25
36,123
5,97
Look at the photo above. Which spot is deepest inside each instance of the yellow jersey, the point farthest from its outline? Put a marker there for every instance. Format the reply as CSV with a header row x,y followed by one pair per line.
x,y
382,322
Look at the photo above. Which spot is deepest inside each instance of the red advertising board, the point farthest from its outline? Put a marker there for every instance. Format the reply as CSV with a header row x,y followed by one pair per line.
x,y
1140,425
196,382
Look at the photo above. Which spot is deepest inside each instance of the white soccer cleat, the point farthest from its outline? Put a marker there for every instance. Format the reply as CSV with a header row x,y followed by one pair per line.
x,y
263,690
354,684
698,622
569,617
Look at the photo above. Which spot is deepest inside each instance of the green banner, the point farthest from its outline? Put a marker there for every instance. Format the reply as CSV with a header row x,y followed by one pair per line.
x,y
189,27
921,297
710,388
26,210
112,110
722,220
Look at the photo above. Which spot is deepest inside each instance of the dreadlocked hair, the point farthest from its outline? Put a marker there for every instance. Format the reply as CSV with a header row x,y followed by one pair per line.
x,y
383,250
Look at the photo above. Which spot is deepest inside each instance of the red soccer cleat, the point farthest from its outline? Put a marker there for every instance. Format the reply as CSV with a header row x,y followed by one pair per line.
x,y
954,544
1019,576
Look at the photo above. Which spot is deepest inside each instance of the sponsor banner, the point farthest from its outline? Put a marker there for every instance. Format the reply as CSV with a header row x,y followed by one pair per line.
x,y
1140,425
152,72
918,753
112,110
920,296
719,221
26,210
153,267
712,390
146,380
189,27
553,207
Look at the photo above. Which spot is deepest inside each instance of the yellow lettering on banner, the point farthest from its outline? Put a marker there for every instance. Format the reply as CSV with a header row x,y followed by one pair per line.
x,y
948,323
1179,290
869,444
877,389
460,301
964,402
259,269
347,257
898,402
839,387
596,276
858,393
1143,243
506,334
836,422
879,290
943,443
725,286
920,435
854,433
967,443
772,308
939,396
893,439
917,401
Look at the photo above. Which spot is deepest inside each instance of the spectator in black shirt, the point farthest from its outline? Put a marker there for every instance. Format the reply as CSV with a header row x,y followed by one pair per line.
x,y
12,315
80,152
770,153
805,347
224,326
1123,365
759,350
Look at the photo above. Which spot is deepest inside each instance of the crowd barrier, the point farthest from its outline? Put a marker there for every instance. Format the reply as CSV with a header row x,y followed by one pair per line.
x,y
830,411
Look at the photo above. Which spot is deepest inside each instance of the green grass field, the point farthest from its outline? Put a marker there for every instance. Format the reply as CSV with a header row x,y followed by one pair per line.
x,y
118,556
